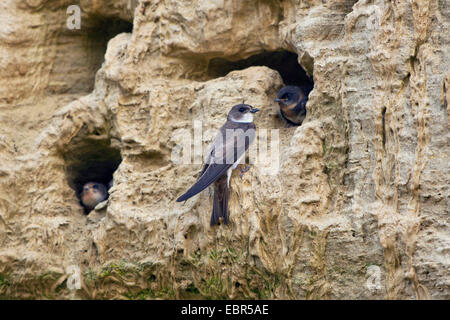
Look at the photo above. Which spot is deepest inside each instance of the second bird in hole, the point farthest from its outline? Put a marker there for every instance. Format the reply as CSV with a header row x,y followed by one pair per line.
x,y
92,194
292,101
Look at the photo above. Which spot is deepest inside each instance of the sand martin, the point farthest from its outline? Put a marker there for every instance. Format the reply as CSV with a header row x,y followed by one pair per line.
x,y
292,101
226,152
92,194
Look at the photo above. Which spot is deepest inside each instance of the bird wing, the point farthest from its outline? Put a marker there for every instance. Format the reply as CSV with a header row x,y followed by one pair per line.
x,y
227,148
208,156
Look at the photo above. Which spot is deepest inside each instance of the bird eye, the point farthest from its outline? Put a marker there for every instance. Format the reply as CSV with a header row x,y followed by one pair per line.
x,y
242,109
95,186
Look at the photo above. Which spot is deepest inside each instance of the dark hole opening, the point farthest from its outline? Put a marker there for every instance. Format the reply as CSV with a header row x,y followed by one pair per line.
x,y
100,30
285,62
95,33
104,29
90,160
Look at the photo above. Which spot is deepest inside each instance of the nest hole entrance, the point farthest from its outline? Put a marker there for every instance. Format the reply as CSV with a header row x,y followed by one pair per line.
x,y
285,62
90,160
292,73
99,30
102,29
82,53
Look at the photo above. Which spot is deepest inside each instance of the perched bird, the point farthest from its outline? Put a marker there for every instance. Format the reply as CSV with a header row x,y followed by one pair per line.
x,y
292,101
92,194
226,151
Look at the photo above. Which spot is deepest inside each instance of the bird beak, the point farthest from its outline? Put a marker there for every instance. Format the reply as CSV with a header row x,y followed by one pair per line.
x,y
277,100
254,110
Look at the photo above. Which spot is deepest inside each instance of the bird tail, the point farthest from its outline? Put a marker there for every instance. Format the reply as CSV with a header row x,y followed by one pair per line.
x,y
220,202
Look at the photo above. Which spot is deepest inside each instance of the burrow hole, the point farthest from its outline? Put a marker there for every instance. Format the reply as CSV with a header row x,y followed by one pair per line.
x,y
81,52
91,159
285,62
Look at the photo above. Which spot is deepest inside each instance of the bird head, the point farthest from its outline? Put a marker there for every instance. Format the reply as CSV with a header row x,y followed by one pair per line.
x,y
289,95
92,194
242,113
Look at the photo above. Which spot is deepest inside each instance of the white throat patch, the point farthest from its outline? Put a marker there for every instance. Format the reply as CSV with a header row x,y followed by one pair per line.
x,y
246,118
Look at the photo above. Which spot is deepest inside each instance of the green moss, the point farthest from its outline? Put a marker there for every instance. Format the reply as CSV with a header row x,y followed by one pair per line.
x,y
5,281
113,268
212,274
192,289
141,295
148,294
90,276
213,287
49,276
214,255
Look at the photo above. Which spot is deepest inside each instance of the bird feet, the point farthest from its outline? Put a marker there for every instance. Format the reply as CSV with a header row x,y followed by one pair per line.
x,y
246,168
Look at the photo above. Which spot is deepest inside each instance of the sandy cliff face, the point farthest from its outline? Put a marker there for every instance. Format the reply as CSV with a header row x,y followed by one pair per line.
x,y
358,208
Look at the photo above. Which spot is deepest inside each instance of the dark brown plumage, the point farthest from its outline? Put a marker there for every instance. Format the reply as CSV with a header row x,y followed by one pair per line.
x,y
230,144
292,101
